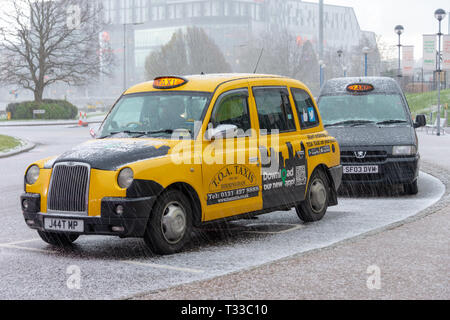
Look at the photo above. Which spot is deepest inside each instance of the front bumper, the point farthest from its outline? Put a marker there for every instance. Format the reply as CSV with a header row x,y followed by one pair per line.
x,y
393,170
132,223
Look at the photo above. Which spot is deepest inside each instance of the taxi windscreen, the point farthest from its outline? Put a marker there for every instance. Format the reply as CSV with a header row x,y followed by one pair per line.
x,y
380,109
156,114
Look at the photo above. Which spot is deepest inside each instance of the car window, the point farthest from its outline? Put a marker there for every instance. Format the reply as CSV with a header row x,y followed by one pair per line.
x,y
156,113
307,113
232,108
376,108
274,109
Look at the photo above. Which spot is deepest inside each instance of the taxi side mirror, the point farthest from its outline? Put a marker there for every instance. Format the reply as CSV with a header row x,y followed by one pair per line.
x,y
221,132
93,131
421,121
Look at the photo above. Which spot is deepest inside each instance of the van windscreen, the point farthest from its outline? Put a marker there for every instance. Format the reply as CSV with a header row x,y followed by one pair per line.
x,y
362,109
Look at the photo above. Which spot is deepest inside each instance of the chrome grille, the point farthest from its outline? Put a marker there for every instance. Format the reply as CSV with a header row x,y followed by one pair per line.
x,y
69,188
349,157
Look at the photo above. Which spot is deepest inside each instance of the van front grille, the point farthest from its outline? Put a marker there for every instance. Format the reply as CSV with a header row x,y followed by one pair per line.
x,y
69,188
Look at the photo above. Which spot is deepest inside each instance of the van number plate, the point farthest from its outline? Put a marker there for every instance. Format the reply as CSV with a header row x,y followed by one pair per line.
x,y
68,225
361,170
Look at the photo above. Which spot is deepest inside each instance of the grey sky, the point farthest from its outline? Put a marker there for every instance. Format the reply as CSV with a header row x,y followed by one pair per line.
x,y
381,16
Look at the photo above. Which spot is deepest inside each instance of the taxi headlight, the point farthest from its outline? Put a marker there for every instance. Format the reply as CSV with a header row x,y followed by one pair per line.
x,y
404,150
125,178
32,175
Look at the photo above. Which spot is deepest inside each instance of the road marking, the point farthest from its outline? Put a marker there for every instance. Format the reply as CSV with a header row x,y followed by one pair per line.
x,y
11,246
162,266
19,242
294,227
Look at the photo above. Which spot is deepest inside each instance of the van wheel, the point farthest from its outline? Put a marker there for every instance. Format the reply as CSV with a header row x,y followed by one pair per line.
x,y
58,239
170,223
412,188
317,197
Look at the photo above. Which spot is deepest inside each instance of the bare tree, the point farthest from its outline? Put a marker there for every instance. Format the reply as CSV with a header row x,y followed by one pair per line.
x,y
190,52
51,41
282,54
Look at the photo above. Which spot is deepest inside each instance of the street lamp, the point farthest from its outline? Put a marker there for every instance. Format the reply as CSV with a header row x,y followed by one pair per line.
x,y
439,14
125,52
340,53
322,67
399,30
366,51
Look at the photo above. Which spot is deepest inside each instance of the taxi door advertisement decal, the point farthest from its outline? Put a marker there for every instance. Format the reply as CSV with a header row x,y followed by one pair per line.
x,y
232,183
287,185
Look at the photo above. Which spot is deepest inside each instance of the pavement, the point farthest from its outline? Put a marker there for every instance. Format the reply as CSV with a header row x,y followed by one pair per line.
x,y
408,260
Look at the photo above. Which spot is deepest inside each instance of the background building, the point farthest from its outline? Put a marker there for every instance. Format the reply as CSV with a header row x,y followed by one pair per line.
x,y
137,27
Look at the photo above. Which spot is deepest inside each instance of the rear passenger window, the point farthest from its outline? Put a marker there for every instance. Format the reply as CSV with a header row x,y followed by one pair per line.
x,y
307,113
274,109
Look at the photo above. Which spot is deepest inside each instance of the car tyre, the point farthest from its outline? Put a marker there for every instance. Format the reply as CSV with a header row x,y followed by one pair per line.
x,y
317,198
412,188
170,224
58,239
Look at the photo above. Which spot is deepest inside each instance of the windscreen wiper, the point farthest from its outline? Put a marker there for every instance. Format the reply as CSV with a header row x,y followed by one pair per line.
x,y
168,131
349,122
391,122
141,133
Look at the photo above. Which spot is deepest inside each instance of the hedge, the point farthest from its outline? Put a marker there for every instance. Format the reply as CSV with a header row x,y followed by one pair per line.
x,y
54,109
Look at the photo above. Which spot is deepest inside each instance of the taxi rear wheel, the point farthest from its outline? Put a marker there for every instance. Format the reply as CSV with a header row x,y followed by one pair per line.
x,y
170,223
317,197
58,239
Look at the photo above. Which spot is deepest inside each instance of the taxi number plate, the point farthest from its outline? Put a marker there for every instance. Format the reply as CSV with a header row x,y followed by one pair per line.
x,y
68,225
361,170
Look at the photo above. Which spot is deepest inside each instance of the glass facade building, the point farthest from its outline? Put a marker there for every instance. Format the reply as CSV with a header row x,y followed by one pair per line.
x,y
137,27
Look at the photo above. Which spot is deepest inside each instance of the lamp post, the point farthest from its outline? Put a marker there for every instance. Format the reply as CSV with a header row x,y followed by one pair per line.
x,y
439,14
399,30
125,52
322,67
340,53
366,51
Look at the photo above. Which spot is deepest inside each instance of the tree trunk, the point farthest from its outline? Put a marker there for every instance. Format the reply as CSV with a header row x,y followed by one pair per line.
x,y
38,94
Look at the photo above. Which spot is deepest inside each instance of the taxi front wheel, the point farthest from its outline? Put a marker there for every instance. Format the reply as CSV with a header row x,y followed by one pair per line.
x,y
58,239
170,223
317,196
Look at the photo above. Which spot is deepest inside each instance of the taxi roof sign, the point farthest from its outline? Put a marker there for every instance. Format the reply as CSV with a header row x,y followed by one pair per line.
x,y
360,87
168,82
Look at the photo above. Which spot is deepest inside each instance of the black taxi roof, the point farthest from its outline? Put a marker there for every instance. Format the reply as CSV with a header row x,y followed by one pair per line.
x,y
380,85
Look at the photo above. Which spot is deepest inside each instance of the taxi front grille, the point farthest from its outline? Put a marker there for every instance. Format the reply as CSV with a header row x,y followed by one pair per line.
x,y
69,188
351,157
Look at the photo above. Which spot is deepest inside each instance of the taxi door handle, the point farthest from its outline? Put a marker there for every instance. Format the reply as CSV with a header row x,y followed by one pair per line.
x,y
254,160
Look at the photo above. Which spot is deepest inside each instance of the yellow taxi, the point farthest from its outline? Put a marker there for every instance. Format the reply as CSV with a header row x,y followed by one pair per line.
x,y
180,152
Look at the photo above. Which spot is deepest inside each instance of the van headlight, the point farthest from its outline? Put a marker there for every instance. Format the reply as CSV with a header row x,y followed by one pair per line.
x,y
32,174
404,150
125,178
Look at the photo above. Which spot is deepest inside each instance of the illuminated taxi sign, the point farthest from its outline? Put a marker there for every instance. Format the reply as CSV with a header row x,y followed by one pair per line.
x,y
360,88
168,82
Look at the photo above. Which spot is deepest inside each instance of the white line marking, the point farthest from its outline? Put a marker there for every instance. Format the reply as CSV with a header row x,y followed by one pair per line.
x,y
294,227
162,266
19,242
11,246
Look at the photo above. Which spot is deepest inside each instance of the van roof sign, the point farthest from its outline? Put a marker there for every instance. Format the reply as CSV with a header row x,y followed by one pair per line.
x,y
168,82
360,88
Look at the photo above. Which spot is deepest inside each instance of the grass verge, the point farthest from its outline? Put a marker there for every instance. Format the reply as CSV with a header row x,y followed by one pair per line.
x,y
8,143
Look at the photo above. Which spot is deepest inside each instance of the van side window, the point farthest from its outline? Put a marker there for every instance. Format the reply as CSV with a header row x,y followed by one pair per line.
x,y
307,113
274,109
232,108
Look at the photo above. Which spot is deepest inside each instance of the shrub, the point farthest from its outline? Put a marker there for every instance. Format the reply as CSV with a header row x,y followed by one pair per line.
x,y
54,109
